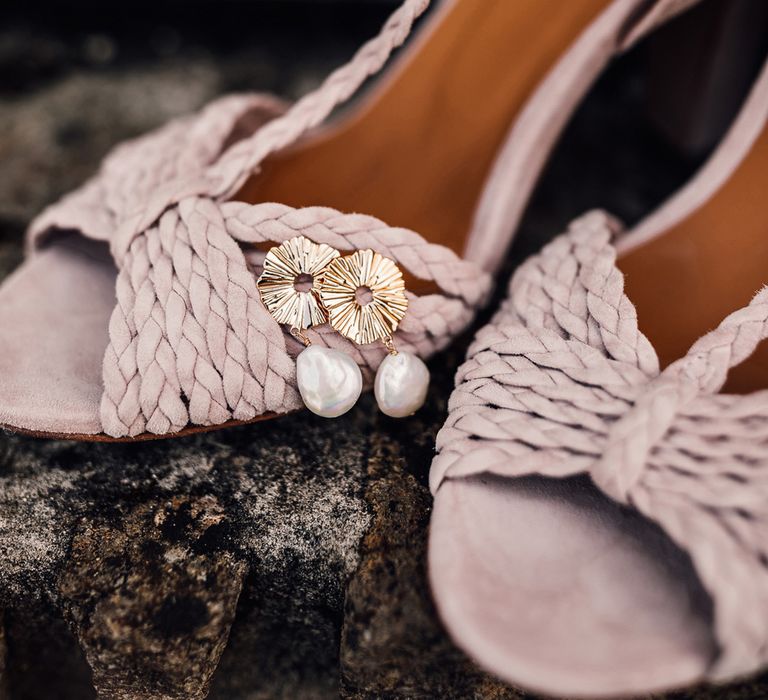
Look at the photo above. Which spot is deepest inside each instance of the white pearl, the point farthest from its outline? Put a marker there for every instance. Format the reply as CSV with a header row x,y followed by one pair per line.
x,y
329,381
401,385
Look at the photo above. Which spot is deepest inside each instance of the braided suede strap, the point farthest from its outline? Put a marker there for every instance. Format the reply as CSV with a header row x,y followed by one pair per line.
x,y
191,341
562,382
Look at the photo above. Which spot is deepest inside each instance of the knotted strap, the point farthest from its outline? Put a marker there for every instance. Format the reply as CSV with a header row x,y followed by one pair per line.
x,y
562,382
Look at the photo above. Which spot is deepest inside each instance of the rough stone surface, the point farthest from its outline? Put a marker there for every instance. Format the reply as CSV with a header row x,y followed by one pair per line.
x,y
143,550
150,591
282,560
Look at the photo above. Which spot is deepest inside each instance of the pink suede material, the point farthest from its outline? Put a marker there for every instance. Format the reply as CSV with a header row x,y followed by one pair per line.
x,y
561,384
541,577
51,381
195,325
555,588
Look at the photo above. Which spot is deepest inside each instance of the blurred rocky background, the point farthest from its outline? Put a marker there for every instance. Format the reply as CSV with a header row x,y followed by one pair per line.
x,y
286,559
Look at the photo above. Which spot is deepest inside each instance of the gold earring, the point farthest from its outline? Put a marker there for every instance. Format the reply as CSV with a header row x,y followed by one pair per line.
x,y
329,381
364,295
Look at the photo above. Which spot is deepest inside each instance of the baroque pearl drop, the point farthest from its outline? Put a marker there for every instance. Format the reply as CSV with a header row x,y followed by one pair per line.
x,y
401,385
329,381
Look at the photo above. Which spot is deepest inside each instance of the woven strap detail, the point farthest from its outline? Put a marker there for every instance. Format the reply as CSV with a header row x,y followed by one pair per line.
x,y
562,382
191,342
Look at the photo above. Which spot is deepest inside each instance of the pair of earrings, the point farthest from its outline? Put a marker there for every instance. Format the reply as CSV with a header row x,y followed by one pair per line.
x,y
362,296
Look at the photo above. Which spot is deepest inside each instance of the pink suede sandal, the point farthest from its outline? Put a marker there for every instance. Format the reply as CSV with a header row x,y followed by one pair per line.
x,y
600,524
137,312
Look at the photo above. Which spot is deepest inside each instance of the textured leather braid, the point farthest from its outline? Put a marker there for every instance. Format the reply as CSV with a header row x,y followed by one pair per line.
x,y
428,261
562,382
189,321
432,320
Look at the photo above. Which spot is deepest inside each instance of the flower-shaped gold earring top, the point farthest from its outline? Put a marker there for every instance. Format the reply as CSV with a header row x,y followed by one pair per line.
x,y
347,279
292,263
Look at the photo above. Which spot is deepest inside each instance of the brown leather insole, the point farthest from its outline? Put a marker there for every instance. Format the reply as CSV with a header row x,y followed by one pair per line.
x,y
418,154
686,281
